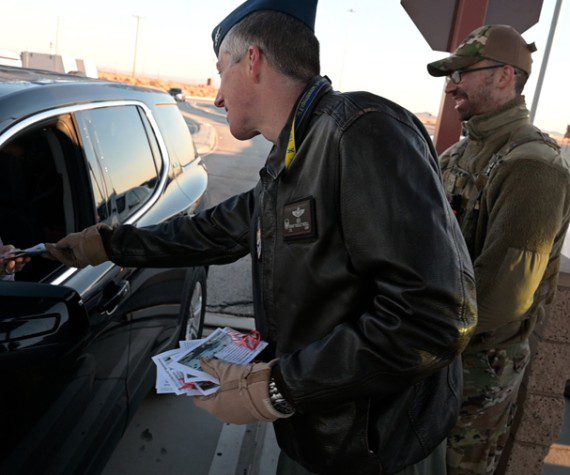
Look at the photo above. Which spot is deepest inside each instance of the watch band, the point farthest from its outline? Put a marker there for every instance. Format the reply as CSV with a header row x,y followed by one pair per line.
x,y
278,401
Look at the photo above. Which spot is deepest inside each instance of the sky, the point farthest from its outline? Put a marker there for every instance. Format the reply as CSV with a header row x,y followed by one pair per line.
x,y
365,45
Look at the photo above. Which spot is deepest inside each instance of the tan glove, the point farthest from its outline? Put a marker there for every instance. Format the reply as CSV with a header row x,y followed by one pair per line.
x,y
243,397
80,249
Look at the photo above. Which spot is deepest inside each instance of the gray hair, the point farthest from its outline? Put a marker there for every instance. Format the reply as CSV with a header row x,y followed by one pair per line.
x,y
289,45
521,78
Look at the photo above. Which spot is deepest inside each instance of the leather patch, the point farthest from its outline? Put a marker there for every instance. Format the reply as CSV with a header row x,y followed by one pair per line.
x,y
299,220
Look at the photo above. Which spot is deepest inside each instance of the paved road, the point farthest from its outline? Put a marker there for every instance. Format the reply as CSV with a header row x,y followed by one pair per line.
x,y
233,167
168,434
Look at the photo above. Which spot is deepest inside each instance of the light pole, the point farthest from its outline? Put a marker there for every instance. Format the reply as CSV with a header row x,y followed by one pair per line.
x,y
139,18
545,60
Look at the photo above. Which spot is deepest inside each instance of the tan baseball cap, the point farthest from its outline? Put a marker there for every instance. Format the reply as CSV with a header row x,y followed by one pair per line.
x,y
500,43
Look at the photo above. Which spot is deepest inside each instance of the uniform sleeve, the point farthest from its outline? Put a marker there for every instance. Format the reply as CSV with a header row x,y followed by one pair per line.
x,y
218,235
405,245
527,202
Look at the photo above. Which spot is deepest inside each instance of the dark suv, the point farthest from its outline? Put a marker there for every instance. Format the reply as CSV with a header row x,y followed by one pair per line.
x,y
76,344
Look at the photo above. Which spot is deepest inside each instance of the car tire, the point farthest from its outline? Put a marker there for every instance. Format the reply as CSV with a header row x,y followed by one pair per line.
x,y
567,389
193,308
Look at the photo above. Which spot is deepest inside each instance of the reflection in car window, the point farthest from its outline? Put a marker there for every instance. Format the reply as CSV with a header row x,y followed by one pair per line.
x,y
153,143
178,138
121,144
95,174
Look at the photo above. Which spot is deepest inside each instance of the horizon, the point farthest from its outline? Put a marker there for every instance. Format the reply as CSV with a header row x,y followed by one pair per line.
x,y
175,44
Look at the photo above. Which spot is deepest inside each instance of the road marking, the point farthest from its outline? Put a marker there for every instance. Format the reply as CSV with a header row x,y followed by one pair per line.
x,y
226,456
267,453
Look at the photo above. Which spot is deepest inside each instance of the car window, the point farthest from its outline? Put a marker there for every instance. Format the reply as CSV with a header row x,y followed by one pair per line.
x,y
118,139
37,199
176,133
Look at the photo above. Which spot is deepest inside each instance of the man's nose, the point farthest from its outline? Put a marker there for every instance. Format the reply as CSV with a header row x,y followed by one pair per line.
x,y
219,102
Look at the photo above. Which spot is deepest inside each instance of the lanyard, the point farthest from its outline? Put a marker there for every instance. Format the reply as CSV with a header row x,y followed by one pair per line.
x,y
304,105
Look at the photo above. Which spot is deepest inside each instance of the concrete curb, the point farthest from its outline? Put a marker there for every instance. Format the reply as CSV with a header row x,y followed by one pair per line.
x,y
200,98
205,139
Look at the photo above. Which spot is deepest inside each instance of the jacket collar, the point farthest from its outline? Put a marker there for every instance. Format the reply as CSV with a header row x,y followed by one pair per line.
x,y
276,160
512,114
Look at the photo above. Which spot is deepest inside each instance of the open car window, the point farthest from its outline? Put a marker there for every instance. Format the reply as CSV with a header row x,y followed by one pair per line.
x,y
38,198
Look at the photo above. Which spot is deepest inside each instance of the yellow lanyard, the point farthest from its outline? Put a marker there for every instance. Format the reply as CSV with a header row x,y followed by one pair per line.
x,y
291,146
304,104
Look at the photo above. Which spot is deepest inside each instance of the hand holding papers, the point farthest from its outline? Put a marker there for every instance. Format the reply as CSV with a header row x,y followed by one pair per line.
x,y
179,371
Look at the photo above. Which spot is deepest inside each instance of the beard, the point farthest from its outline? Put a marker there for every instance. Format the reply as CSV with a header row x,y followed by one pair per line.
x,y
479,101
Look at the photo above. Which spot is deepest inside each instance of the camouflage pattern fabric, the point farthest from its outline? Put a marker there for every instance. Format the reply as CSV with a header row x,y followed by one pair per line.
x,y
491,380
469,52
473,44
471,47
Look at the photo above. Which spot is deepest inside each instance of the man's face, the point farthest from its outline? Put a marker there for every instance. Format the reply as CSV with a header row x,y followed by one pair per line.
x,y
236,96
475,93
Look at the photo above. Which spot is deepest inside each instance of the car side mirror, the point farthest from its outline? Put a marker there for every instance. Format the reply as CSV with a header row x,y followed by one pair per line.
x,y
39,323
134,202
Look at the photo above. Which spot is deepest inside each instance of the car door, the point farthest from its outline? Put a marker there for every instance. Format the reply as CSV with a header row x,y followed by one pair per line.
x,y
61,411
132,169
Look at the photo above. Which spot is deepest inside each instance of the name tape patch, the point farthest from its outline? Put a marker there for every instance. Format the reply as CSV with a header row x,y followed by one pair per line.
x,y
299,219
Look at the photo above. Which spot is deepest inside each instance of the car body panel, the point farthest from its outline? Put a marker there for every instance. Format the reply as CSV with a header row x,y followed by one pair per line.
x,y
82,404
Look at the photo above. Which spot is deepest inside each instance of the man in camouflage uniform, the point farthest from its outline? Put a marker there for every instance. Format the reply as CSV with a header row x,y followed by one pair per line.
x,y
510,190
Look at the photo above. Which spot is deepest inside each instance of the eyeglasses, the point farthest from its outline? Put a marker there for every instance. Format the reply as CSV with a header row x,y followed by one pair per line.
x,y
455,76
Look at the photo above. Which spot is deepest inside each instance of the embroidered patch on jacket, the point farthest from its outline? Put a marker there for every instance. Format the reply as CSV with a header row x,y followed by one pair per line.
x,y
299,219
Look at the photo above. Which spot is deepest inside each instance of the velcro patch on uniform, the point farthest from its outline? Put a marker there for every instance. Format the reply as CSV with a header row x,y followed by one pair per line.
x,y
299,220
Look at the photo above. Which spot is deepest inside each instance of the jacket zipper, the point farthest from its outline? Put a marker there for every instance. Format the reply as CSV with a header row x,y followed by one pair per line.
x,y
266,291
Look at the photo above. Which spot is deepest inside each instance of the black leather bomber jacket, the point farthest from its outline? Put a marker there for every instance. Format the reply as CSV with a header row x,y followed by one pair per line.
x,y
362,283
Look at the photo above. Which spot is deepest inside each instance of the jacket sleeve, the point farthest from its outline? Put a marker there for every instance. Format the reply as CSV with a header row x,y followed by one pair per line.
x,y
526,204
218,235
405,245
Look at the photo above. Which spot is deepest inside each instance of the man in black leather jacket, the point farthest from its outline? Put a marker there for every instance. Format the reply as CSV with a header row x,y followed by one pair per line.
x,y
362,282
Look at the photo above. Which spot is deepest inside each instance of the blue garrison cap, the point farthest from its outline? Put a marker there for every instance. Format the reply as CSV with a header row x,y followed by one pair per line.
x,y
302,10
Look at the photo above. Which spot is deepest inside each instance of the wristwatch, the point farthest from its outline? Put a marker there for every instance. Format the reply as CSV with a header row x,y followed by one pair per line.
x,y
279,403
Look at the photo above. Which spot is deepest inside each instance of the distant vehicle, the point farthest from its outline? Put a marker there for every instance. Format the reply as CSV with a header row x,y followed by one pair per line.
x,y
177,93
76,344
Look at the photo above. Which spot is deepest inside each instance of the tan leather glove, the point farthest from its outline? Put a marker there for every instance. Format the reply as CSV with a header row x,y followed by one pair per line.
x,y
80,249
243,397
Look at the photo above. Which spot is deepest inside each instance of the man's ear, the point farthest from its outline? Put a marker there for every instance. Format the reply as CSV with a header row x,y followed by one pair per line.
x,y
506,76
254,56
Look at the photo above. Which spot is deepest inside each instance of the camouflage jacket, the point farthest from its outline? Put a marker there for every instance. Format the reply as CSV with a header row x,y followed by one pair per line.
x,y
510,189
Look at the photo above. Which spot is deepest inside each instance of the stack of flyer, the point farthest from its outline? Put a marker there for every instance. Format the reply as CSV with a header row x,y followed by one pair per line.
x,y
179,371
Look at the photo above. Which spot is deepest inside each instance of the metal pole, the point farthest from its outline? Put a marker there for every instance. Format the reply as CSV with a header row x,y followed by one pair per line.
x,y
545,60
138,17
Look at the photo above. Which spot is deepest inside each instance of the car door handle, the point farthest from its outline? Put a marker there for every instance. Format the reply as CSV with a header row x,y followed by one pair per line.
x,y
123,289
